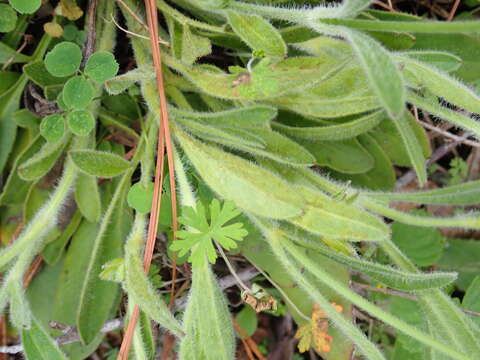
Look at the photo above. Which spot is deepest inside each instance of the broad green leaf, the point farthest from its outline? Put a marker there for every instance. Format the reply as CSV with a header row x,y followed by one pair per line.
x,y
77,93
424,246
442,85
193,46
412,145
87,197
249,116
8,18
381,176
462,194
9,54
387,137
15,189
37,72
464,122
101,66
463,256
345,156
38,345
207,321
441,60
26,6
140,197
99,163
470,299
247,320
258,34
54,250
266,80
251,187
387,84
137,284
64,59
81,122
391,277
52,127
120,83
40,163
336,219
97,297
341,131
7,79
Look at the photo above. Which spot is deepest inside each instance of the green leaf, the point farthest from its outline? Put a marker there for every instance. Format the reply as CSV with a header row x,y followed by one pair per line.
x,y
140,197
26,6
9,54
40,163
81,122
193,46
8,18
462,194
470,299
247,320
52,127
38,345
98,297
341,131
441,60
345,156
99,163
335,219
101,66
77,93
442,85
412,145
462,256
37,72
251,187
266,80
87,197
203,230
64,59
207,321
258,33
137,284
424,246
387,84
114,270
381,176
459,120
391,277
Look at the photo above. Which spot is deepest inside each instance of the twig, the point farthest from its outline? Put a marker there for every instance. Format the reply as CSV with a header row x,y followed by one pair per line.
x,y
89,48
70,336
232,270
26,39
450,135
453,11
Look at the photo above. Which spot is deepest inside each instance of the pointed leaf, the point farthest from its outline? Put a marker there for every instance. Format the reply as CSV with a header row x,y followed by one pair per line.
x,y
99,163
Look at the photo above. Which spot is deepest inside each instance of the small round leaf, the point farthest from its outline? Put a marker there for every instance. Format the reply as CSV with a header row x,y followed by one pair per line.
x,y
60,103
26,6
8,18
81,122
77,93
64,59
53,29
140,197
70,32
52,127
101,66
